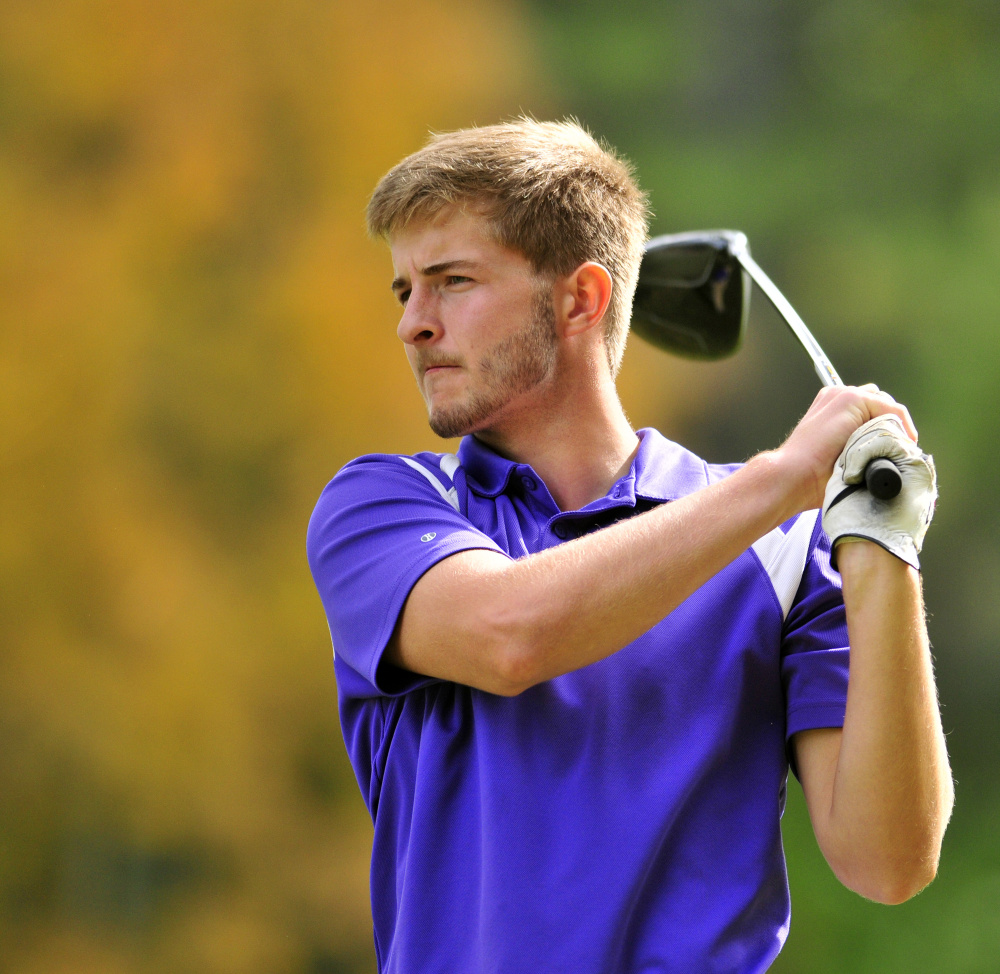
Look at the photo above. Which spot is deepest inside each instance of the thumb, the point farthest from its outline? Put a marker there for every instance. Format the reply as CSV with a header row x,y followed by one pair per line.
x,y
883,436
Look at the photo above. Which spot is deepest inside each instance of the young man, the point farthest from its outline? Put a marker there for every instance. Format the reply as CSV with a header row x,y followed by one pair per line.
x,y
574,661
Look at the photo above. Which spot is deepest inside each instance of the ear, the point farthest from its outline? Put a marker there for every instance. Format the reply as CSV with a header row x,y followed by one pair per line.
x,y
583,297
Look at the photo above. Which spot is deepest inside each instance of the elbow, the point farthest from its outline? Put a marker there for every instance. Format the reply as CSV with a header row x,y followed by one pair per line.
x,y
901,885
514,667
893,863
913,866
513,650
891,881
524,641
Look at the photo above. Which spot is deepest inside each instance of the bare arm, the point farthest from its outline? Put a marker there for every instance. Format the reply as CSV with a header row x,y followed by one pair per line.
x,y
499,625
879,792
480,619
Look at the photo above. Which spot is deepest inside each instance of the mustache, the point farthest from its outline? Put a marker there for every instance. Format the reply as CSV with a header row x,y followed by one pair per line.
x,y
430,360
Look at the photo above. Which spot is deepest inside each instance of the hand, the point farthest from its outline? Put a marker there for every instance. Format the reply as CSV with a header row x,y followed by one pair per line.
x,y
819,438
851,513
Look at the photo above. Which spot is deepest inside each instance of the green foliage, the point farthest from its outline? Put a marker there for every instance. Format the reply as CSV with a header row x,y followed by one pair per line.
x,y
195,335
854,143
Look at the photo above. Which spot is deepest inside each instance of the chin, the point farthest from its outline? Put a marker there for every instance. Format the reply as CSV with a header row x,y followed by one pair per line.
x,y
458,421
446,429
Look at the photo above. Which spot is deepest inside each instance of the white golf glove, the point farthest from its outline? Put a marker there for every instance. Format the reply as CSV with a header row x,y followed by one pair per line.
x,y
851,513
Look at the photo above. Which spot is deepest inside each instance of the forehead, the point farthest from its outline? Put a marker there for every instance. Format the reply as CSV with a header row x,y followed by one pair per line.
x,y
452,234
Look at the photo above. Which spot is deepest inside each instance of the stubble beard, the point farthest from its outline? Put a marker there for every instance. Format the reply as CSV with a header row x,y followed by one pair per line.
x,y
515,365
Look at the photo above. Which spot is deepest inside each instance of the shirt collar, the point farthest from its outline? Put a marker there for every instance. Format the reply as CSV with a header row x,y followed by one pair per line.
x,y
664,470
661,471
486,472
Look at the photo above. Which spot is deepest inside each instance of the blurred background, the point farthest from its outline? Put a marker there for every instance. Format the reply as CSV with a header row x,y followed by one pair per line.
x,y
195,334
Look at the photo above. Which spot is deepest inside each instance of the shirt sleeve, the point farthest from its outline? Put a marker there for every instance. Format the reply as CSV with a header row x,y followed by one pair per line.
x,y
815,651
377,527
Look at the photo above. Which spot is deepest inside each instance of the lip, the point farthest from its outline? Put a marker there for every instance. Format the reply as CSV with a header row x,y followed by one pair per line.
x,y
437,369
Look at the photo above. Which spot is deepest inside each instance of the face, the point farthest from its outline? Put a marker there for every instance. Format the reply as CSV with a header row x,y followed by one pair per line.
x,y
477,322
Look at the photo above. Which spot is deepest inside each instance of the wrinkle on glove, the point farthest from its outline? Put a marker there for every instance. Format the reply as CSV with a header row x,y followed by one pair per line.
x,y
850,512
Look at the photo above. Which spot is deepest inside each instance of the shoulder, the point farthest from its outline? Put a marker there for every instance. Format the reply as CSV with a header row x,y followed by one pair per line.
x,y
378,474
383,487
375,464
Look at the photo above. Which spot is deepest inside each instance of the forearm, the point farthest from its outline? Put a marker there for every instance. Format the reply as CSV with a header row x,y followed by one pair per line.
x,y
482,620
547,614
891,793
587,599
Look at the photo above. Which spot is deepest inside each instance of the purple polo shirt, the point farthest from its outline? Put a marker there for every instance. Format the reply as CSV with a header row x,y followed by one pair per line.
x,y
620,818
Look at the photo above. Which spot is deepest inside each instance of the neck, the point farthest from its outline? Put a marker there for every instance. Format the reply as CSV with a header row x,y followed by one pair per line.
x,y
575,436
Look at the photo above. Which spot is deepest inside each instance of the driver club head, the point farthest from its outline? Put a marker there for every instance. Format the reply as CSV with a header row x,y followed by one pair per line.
x,y
693,294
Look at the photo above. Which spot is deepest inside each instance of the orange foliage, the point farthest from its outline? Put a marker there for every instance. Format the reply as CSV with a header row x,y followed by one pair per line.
x,y
192,343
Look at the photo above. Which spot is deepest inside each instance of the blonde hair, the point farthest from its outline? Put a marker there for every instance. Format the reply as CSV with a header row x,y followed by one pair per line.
x,y
548,191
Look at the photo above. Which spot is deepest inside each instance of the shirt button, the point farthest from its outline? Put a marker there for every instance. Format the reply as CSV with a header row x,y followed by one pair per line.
x,y
559,531
529,483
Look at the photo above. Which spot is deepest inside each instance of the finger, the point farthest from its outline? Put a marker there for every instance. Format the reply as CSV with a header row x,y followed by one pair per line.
x,y
908,424
893,408
880,403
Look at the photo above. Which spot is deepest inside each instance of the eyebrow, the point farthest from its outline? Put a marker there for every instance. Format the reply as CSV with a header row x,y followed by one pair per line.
x,y
401,283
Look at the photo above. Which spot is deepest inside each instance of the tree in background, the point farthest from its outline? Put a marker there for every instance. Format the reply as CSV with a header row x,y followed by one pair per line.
x,y
855,144
192,344
192,341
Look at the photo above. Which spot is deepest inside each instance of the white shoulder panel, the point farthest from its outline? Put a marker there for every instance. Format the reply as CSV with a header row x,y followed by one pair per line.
x,y
448,493
784,557
449,464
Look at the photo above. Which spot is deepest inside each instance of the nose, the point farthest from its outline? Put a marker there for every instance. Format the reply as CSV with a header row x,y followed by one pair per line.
x,y
419,323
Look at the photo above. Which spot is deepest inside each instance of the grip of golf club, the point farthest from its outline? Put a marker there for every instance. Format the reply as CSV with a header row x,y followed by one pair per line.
x,y
883,479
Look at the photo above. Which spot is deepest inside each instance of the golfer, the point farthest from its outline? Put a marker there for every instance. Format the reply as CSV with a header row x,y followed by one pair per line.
x,y
575,661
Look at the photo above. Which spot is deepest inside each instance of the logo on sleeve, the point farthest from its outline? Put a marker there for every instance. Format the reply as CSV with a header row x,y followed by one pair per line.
x,y
430,536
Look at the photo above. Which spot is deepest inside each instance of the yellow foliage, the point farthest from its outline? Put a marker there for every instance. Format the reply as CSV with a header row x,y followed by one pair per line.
x,y
192,343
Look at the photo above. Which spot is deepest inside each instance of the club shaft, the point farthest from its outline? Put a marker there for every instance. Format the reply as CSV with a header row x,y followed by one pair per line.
x,y
882,477
823,366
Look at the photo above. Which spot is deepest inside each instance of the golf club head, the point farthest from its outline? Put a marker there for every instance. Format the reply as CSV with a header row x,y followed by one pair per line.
x,y
693,294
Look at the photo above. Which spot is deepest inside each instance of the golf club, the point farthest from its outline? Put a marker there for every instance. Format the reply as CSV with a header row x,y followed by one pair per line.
x,y
693,299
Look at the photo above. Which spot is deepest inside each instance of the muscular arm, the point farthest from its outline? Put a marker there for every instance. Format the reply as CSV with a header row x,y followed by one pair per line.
x,y
879,791
480,619
499,625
